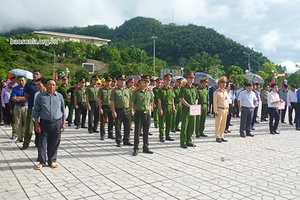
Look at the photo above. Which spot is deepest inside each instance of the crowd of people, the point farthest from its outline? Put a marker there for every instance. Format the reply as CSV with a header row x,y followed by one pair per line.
x,y
40,105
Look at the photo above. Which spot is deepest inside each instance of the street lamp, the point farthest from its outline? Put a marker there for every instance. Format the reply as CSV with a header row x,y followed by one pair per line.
x,y
154,37
141,61
53,64
248,54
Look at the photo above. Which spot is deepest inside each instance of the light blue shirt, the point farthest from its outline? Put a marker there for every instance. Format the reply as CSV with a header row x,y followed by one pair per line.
x,y
49,107
247,99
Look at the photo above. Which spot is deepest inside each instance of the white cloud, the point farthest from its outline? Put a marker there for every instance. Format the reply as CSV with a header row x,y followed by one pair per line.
x,y
290,66
270,41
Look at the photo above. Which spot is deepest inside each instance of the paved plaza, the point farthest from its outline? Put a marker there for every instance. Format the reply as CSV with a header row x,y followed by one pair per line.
x,y
263,167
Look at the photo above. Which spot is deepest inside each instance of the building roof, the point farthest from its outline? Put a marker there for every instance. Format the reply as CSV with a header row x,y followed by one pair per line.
x,y
57,34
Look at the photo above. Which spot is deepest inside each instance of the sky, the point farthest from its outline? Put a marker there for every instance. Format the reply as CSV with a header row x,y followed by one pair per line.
x,y
267,26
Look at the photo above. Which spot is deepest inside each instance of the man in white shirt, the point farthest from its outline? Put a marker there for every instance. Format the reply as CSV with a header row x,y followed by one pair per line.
x,y
292,102
273,101
247,100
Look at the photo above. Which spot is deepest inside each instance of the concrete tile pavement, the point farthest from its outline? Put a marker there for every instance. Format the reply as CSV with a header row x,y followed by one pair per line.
x,y
263,167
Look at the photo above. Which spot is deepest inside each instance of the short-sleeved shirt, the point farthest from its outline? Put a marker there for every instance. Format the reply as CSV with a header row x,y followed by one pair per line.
x,y
80,94
247,98
18,92
142,99
104,95
203,96
189,94
264,96
273,97
121,97
220,99
176,92
30,88
155,92
49,107
166,96
92,92
62,89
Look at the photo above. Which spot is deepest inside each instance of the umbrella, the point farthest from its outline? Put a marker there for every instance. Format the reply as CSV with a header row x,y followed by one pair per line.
x,y
254,78
22,72
199,75
135,77
174,78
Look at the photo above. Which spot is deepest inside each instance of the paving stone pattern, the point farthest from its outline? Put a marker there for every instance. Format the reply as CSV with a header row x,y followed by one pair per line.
x,y
263,167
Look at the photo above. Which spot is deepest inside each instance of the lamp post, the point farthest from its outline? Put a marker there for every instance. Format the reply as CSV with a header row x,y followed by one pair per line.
x,y
154,37
53,64
141,62
274,74
248,54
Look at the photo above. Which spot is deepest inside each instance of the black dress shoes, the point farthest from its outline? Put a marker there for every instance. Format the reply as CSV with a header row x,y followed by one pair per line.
x,y
135,152
162,140
191,145
147,151
272,133
24,147
118,144
223,140
102,138
95,131
183,146
177,129
291,123
276,132
169,139
250,135
111,137
127,144
219,140
90,131
77,127
83,127
203,135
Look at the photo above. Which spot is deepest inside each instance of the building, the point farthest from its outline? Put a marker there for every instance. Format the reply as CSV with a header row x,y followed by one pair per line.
x,y
66,37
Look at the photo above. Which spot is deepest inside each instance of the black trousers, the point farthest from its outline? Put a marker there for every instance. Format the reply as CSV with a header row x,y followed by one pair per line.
x,y
49,141
93,116
254,116
81,111
123,117
297,118
106,113
282,113
293,107
141,119
230,111
273,114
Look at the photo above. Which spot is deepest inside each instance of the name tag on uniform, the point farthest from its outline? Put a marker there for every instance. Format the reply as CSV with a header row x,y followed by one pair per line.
x,y
195,110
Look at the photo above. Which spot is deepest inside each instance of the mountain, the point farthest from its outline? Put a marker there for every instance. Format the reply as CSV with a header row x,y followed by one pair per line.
x,y
174,44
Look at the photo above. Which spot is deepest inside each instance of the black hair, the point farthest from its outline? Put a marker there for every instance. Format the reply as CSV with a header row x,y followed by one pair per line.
x,y
249,84
37,70
285,86
51,79
43,80
21,77
273,85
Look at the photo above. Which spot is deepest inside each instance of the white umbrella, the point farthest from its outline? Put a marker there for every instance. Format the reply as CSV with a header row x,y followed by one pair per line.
x,y
253,78
22,72
199,75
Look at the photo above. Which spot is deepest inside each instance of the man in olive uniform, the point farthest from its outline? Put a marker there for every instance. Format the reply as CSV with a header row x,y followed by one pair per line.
x,y
70,92
221,109
63,88
105,110
188,96
166,108
178,105
92,104
80,104
120,97
204,102
155,90
140,106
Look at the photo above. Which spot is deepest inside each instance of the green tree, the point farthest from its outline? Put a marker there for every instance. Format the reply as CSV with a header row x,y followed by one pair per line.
x,y
294,78
82,73
115,69
268,71
236,73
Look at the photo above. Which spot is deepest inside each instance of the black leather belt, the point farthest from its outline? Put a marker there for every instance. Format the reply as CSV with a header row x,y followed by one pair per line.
x,y
142,111
50,121
122,109
222,108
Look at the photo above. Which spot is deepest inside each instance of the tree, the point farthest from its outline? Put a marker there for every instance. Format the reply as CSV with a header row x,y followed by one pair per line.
x,y
294,78
268,71
236,73
82,73
115,69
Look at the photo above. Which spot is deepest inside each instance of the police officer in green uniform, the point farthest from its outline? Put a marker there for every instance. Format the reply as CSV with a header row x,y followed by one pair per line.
x,y
166,108
155,92
80,104
105,110
63,88
178,106
204,102
188,96
120,97
140,106
92,104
